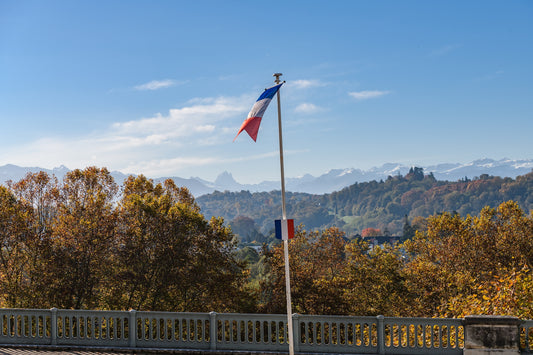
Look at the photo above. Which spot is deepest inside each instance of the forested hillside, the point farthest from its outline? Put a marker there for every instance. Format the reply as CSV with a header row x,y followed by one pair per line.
x,y
377,204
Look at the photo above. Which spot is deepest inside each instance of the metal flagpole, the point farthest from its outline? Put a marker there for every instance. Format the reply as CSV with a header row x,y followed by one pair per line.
x,y
284,216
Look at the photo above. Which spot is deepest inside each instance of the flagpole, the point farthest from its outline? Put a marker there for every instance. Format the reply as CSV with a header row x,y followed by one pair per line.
x,y
284,216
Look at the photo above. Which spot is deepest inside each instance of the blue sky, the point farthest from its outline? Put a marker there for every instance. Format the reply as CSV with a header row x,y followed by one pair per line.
x,y
161,87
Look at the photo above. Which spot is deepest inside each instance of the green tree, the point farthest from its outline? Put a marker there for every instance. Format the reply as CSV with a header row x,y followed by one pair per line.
x,y
246,229
408,230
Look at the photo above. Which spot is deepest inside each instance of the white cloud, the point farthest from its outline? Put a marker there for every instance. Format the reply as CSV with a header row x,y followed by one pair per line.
x,y
367,94
156,85
305,84
307,108
187,122
154,146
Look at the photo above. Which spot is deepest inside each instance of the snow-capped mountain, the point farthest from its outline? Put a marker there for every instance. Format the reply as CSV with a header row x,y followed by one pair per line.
x,y
330,181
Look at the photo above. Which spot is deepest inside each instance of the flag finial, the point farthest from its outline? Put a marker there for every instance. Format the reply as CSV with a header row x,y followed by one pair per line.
x,y
277,75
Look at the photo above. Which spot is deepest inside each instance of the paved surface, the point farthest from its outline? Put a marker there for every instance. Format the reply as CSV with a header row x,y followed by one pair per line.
x,y
20,351
48,350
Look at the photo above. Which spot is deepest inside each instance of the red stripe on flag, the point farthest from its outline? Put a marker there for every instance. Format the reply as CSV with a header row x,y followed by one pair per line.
x,y
290,228
251,126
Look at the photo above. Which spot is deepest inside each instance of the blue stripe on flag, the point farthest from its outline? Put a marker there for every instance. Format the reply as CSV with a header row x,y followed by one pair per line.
x,y
269,93
277,224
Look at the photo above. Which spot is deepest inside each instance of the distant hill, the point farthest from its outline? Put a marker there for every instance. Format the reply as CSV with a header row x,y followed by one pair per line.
x,y
333,180
380,204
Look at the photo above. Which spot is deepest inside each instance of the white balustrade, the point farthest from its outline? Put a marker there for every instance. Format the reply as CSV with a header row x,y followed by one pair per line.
x,y
239,332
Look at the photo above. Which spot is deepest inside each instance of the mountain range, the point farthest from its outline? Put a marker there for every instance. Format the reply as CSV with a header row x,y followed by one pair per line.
x,y
333,180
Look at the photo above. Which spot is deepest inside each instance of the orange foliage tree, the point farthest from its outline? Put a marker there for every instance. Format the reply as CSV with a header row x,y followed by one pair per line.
x,y
371,232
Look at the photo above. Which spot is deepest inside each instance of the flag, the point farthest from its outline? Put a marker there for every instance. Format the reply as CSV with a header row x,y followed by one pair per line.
x,y
284,228
251,124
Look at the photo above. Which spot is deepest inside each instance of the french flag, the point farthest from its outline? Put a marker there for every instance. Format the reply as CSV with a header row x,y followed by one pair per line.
x,y
251,124
284,228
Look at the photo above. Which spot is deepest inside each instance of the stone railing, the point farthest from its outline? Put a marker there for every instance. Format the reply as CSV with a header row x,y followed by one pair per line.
x,y
264,332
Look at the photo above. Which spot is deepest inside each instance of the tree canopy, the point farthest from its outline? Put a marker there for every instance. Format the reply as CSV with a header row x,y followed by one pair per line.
x,y
85,243
75,245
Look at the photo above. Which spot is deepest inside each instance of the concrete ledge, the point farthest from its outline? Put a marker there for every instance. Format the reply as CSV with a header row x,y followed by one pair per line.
x,y
15,349
79,350
489,352
492,335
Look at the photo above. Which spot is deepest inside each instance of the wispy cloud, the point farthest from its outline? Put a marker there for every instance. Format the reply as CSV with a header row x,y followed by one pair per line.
x,y
305,84
155,146
307,108
199,118
368,94
156,85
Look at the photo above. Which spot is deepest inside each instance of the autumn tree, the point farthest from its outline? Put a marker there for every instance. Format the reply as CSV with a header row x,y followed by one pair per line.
x,y
82,239
374,280
12,254
457,257
371,232
316,262
36,197
169,257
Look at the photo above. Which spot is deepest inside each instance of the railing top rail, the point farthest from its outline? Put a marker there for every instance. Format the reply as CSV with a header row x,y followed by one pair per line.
x,y
336,316
25,309
183,314
424,319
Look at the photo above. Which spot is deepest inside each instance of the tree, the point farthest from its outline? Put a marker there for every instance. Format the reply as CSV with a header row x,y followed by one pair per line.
x,y
316,263
36,199
13,257
169,257
456,256
370,232
246,229
374,280
82,239
408,230
415,173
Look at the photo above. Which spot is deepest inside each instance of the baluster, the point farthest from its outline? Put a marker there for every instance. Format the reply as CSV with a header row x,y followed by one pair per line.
x,y
254,331
173,329
440,334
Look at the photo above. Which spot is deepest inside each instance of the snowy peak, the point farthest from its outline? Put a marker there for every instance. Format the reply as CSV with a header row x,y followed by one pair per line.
x,y
333,180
